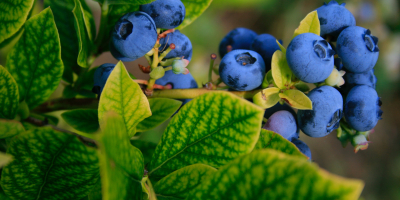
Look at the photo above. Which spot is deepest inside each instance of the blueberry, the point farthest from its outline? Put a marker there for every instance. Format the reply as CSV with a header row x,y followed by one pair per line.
x,y
167,14
327,111
183,46
303,147
178,81
134,35
310,58
358,49
278,107
282,122
238,38
353,79
242,70
333,18
265,45
100,77
362,108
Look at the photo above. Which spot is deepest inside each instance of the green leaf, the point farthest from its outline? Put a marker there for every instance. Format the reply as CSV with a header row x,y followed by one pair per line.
x,y
302,86
121,164
124,96
310,24
89,21
130,2
212,129
84,120
268,79
161,109
271,140
9,96
95,193
13,16
9,128
194,8
35,61
82,33
269,174
296,99
49,165
5,159
63,17
147,148
280,70
179,183
267,97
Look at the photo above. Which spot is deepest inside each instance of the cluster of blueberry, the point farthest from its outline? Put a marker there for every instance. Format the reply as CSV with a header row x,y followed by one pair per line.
x,y
246,57
135,35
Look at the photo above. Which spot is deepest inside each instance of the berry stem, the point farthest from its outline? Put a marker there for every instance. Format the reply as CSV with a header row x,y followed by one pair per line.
x,y
210,70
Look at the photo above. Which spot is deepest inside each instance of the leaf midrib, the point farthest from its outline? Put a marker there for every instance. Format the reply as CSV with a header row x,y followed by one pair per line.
x,y
201,139
52,163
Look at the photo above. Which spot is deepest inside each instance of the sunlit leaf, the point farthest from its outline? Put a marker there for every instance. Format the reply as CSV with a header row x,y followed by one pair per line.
x,y
310,24
194,8
267,97
212,129
280,70
296,99
269,174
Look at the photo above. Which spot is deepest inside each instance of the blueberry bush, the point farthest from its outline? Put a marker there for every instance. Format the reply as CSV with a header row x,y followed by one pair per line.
x,y
236,137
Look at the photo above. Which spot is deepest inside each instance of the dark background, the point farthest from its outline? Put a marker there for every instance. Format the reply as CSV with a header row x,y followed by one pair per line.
x,y
379,165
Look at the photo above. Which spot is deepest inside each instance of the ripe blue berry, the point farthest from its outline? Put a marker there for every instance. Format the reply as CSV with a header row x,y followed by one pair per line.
x,y
167,14
327,111
265,45
134,35
333,18
362,108
303,147
358,49
242,70
183,46
178,81
310,58
366,78
282,122
100,77
278,107
238,38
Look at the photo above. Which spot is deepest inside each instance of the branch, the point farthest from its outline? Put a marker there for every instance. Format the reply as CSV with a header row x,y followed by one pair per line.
x,y
66,104
42,123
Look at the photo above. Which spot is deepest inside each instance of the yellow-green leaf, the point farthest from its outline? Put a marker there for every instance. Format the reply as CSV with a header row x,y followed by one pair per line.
x,y
267,97
9,128
125,97
13,16
268,79
271,140
35,61
5,159
194,8
9,96
161,109
121,164
269,174
281,47
212,129
280,70
296,99
179,183
310,24
47,164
